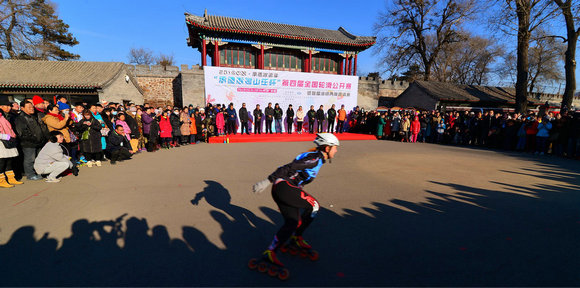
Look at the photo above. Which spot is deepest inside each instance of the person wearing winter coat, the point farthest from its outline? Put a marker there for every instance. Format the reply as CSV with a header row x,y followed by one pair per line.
x,y
405,126
121,121
134,134
186,122
8,149
320,117
165,129
150,129
440,130
258,115
193,129
531,126
118,145
544,127
231,120
387,128
331,113
244,119
55,121
289,118
299,119
380,125
269,112
142,141
32,134
415,129
341,119
51,160
146,119
209,130
89,130
199,117
220,122
311,114
175,121
278,118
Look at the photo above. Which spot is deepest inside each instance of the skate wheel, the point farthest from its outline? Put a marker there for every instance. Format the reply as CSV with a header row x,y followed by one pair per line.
x,y
313,255
283,274
273,271
262,267
283,248
253,263
293,251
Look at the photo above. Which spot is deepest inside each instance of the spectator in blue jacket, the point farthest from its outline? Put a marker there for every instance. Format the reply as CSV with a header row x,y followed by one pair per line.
x,y
544,126
231,121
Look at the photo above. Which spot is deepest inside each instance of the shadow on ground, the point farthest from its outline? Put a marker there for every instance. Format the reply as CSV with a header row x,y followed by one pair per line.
x,y
461,236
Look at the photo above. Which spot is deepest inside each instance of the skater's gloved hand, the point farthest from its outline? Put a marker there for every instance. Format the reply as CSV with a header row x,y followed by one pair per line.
x,y
261,186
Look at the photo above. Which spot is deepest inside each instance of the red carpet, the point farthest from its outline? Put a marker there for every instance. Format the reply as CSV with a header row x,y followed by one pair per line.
x,y
239,138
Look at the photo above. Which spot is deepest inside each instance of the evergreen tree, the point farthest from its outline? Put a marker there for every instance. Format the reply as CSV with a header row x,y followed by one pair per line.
x,y
31,29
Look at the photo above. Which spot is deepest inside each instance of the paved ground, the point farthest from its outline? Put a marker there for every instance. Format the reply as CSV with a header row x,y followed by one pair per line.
x,y
393,215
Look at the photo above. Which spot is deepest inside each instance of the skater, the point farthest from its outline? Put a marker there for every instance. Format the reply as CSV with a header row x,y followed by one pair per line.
x,y
287,190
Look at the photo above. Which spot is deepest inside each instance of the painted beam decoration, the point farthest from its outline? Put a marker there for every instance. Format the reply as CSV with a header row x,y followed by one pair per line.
x,y
225,85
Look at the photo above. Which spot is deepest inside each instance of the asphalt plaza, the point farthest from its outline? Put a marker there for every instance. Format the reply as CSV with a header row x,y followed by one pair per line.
x,y
392,214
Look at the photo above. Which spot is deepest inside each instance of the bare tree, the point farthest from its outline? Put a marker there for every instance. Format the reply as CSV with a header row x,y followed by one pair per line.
x,y
467,62
522,17
141,56
165,60
415,31
545,57
571,15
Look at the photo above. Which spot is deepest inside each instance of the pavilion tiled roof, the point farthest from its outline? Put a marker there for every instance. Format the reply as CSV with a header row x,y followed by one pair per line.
x,y
278,30
468,93
57,74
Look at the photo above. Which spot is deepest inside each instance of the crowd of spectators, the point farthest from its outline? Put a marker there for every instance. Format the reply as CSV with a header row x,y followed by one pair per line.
x,y
539,133
44,140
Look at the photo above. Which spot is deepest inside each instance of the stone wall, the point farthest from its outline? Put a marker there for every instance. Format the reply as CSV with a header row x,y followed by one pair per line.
x,y
174,86
370,89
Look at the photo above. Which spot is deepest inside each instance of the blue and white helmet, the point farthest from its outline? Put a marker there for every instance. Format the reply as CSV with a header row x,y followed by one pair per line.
x,y
326,139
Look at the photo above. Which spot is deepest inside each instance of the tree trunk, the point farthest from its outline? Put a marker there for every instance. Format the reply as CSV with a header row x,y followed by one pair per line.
x,y
570,66
570,58
523,12
427,73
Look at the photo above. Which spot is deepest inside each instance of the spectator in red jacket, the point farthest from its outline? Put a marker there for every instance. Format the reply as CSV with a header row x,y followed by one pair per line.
x,y
531,127
415,129
165,129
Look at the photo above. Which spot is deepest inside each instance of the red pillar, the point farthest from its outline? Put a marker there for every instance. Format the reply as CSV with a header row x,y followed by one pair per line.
x,y
354,68
216,55
309,60
261,57
203,53
349,70
340,66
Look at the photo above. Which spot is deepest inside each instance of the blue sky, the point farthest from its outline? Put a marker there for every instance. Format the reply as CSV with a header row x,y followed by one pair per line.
x,y
107,30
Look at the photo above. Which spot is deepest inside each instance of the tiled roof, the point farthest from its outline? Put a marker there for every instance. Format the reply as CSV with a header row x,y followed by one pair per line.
x,y
468,93
278,30
57,74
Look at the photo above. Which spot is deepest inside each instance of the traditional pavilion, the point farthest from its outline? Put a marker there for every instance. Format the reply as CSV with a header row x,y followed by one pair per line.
x,y
242,43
